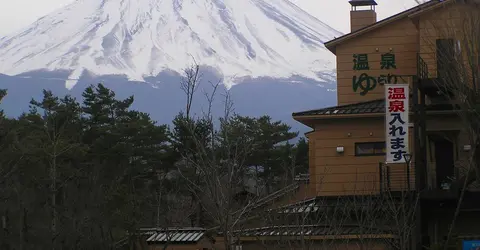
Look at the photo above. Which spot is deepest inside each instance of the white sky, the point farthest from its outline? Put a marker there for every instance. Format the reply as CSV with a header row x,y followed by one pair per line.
x,y
16,14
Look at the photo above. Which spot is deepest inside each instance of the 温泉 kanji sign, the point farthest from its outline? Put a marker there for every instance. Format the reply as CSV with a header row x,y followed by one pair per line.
x,y
396,122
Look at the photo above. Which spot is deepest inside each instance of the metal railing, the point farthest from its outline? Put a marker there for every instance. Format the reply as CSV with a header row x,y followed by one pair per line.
x,y
422,67
396,177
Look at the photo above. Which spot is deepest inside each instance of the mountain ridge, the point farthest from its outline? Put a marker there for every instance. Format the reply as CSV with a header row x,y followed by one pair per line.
x,y
141,38
269,54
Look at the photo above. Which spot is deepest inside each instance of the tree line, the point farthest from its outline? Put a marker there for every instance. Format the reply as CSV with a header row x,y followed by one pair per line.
x,y
82,174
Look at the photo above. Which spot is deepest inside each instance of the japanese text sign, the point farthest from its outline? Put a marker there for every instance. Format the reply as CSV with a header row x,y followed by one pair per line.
x,y
396,122
364,83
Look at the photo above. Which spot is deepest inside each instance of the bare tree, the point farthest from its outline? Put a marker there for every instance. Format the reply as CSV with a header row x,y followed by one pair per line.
x,y
218,163
457,78
362,219
299,223
190,82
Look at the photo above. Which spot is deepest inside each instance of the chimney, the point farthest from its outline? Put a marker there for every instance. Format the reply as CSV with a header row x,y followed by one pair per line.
x,y
362,14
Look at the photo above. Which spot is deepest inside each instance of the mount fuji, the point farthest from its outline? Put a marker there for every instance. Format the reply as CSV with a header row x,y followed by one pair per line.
x,y
269,54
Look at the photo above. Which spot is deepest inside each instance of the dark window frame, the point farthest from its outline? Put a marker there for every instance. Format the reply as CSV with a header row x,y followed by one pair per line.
x,y
446,50
375,145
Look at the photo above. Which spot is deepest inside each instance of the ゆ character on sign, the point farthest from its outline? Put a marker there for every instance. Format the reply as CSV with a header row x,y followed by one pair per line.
x,y
367,83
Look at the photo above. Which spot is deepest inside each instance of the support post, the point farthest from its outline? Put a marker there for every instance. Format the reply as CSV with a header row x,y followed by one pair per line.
x,y
418,158
381,177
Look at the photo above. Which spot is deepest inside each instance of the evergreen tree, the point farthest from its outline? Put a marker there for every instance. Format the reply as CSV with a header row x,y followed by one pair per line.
x,y
268,137
81,175
301,156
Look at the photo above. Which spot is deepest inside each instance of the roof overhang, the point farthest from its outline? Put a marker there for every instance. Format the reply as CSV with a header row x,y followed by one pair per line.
x,y
319,237
311,120
410,13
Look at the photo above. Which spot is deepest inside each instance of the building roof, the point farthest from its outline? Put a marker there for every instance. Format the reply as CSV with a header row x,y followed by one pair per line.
x,y
368,107
309,230
283,192
322,205
375,106
331,45
174,235
269,199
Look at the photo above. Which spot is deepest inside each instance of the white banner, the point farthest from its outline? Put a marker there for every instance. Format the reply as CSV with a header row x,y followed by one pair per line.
x,y
396,122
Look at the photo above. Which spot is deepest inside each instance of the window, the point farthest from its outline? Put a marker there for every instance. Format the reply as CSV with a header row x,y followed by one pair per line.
x,y
370,148
446,49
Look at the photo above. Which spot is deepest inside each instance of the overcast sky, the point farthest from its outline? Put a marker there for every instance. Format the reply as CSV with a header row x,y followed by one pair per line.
x,y
16,14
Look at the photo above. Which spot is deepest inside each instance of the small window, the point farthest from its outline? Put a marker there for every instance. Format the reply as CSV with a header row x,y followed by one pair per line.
x,y
370,148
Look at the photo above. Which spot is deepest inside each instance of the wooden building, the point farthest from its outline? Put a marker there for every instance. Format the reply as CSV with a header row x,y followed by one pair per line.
x,y
349,143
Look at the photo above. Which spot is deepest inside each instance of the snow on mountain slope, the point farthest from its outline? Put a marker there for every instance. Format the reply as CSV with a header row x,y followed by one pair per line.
x,y
139,38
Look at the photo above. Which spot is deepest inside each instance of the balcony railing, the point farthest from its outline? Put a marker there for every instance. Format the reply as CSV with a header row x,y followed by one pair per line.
x,y
396,177
422,67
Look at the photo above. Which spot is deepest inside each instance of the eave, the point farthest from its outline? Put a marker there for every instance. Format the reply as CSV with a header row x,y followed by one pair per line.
x,y
311,120
410,13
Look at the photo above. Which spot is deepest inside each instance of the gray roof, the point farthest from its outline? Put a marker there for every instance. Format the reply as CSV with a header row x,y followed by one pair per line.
x,y
375,106
321,204
175,235
308,230
369,107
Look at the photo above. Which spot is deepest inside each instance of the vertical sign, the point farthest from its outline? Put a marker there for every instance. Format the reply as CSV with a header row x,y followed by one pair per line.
x,y
396,122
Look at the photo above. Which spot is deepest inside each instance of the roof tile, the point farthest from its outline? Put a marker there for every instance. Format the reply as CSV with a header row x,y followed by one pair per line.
x,y
375,106
369,107
310,230
176,235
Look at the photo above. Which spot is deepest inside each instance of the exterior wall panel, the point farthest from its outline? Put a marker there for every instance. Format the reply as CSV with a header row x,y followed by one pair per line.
x,y
401,37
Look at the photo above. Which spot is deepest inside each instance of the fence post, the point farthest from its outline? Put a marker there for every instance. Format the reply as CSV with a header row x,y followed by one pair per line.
x,y
388,178
381,176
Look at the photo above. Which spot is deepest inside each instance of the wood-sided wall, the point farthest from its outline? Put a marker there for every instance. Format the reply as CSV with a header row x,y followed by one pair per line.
x,y
452,128
449,21
400,36
334,174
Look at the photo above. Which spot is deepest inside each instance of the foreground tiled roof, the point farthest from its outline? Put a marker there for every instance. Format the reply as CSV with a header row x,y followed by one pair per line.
x,y
309,230
175,235
277,194
320,204
269,199
375,106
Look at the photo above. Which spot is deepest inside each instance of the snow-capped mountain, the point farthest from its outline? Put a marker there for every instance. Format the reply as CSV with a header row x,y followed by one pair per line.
x,y
269,53
141,38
